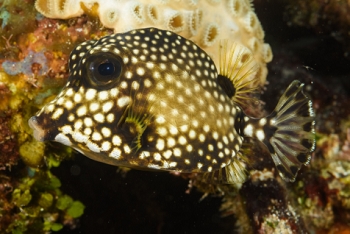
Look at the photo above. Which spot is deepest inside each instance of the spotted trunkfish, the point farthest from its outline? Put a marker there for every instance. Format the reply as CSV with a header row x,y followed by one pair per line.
x,y
151,99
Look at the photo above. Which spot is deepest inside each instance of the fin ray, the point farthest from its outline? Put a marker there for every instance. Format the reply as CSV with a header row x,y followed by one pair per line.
x,y
293,141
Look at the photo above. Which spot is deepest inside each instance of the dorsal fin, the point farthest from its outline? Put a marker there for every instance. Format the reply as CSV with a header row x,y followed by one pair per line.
x,y
237,72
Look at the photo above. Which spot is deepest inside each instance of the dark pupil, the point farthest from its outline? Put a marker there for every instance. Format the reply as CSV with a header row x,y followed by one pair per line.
x,y
106,69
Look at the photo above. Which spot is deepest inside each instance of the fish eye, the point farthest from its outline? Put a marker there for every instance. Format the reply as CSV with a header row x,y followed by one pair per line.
x,y
104,69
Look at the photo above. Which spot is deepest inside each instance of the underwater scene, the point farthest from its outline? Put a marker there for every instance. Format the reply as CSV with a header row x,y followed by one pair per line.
x,y
174,116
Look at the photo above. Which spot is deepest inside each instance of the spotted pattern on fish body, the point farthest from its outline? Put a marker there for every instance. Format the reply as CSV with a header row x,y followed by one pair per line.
x,y
150,98
142,116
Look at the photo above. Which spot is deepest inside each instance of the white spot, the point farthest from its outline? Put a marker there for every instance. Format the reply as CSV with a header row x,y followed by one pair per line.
x,y
153,166
225,139
81,111
123,84
77,97
195,123
262,121
107,106
106,132
71,117
87,131
162,131
93,147
182,140
189,148
171,142
248,130
103,95
160,119
66,129
99,117
116,140
167,154
174,112
116,153
114,92
160,144
192,134
88,122
199,165
78,124
94,106
68,104
57,113
177,152
123,101
96,136
106,146
140,71
50,108
201,137
128,74
157,156
150,65
147,83
184,128
110,118
260,134
61,138
79,137
127,149
146,153
173,130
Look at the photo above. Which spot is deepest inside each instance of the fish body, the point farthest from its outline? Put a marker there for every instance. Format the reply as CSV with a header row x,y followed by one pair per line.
x,y
149,98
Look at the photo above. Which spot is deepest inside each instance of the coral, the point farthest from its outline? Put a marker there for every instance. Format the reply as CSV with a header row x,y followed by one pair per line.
x,y
204,22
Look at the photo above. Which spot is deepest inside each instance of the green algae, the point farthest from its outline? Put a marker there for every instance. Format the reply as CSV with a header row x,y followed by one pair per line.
x,y
32,152
41,206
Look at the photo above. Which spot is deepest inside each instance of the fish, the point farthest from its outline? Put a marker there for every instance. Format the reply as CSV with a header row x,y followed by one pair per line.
x,y
152,99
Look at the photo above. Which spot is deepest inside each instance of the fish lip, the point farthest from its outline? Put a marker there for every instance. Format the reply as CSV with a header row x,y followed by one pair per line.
x,y
38,132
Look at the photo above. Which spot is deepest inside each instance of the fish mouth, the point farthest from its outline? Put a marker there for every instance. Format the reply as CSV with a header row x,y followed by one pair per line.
x,y
38,131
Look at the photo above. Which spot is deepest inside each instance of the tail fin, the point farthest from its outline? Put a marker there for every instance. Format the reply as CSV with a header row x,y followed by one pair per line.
x,y
288,132
293,126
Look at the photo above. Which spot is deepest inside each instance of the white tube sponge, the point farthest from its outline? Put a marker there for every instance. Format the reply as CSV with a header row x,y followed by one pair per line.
x,y
109,13
55,9
174,20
